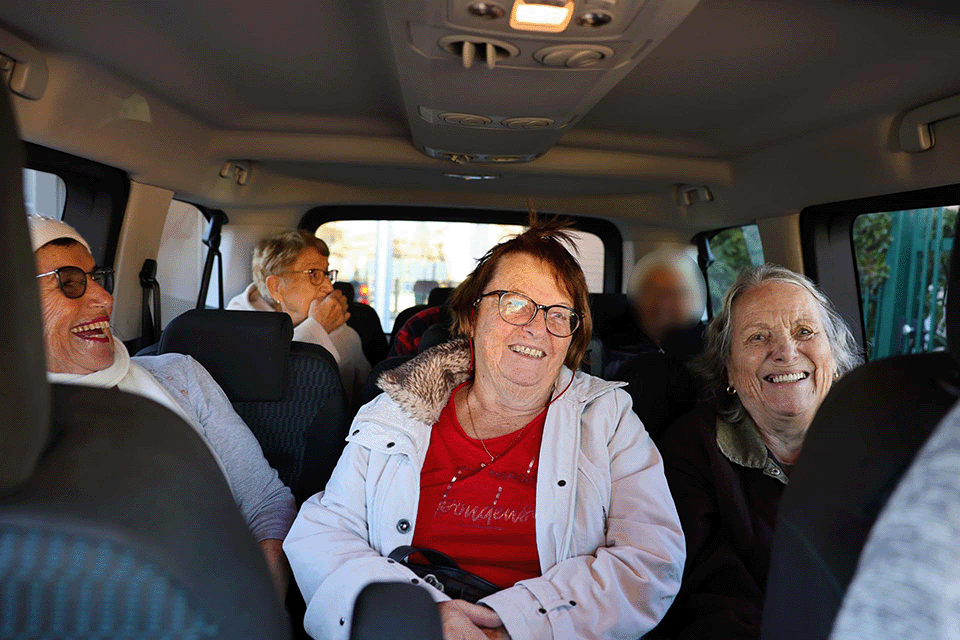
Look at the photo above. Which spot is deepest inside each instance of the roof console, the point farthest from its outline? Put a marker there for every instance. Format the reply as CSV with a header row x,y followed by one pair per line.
x,y
489,80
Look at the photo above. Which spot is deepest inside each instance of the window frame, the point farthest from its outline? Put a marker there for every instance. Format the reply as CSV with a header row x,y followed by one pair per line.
x,y
829,255
96,197
705,257
607,231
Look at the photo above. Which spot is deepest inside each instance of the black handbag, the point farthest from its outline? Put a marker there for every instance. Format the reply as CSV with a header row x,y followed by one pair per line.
x,y
445,574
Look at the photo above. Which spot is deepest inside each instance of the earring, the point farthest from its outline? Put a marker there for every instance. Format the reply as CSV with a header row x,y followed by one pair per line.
x,y
731,391
836,376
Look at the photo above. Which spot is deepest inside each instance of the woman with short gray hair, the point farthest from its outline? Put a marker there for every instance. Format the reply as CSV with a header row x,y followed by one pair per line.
x,y
291,273
773,351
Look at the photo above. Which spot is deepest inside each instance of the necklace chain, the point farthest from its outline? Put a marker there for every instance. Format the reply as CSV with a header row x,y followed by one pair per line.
x,y
473,425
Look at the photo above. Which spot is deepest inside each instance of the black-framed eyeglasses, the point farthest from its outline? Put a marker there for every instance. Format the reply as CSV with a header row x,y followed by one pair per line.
x,y
317,275
519,310
73,280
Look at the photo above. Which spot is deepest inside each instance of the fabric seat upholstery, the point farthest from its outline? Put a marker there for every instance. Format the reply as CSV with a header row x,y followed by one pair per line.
x,y
288,393
115,520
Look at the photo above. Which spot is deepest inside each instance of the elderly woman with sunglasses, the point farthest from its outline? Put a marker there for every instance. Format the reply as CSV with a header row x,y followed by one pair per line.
x,y
496,451
76,305
291,273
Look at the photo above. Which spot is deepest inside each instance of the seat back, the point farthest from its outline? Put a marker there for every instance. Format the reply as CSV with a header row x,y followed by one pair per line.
x,y
115,520
865,435
366,322
288,393
395,610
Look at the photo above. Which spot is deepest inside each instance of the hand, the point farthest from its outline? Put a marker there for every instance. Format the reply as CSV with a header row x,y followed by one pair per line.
x,y
277,563
330,310
462,620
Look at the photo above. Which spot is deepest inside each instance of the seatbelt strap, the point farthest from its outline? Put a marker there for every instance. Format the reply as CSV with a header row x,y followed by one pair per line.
x,y
212,240
149,323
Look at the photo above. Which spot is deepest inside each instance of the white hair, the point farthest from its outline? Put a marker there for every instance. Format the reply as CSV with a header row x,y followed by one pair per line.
x,y
678,260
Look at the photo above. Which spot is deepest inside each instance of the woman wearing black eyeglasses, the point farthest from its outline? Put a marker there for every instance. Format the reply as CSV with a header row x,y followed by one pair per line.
x,y
291,274
76,304
536,479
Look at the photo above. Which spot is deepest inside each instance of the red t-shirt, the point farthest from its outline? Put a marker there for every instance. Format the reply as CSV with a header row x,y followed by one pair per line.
x,y
482,513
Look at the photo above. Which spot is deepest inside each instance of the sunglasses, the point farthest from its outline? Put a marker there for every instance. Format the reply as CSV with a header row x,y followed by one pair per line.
x,y
73,280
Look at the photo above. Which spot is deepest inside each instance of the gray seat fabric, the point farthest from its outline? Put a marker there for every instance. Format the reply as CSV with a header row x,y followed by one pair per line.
x,y
395,610
865,435
115,520
288,393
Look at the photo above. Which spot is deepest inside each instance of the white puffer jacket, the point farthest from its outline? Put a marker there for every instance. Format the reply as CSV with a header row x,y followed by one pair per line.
x,y
608,535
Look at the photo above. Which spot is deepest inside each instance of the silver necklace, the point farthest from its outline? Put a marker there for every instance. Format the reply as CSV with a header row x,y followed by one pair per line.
x,y
476,434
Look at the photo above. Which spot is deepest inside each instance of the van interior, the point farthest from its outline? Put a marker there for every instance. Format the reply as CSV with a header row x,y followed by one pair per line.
x,y
411,135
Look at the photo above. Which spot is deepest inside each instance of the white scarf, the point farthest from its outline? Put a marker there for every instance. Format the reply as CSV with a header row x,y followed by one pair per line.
x,y
127,376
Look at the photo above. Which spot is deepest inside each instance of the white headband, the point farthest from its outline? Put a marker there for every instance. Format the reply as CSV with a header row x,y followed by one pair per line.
x,y
44,230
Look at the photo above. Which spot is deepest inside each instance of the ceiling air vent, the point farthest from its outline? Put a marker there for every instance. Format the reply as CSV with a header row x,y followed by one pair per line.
x,y
575,56
464,119
527,123
474,48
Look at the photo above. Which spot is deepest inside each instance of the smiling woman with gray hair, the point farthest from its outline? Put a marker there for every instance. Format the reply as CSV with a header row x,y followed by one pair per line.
x,y
773,352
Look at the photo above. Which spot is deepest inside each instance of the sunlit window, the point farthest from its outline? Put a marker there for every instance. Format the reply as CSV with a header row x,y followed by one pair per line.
x,y
394,264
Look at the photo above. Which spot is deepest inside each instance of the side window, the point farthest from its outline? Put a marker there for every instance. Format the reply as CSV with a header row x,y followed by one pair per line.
x,y
734,250
180,260
44,193
903,263
394,264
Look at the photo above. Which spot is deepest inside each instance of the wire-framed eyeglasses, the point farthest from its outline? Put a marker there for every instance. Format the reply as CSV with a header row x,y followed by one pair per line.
x,y
73,280
317,275
519,310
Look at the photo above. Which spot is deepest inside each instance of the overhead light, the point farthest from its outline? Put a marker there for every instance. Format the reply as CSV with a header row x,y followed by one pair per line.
x,y
549,16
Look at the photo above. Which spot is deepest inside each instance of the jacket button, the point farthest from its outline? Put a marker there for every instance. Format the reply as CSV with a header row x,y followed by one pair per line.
x,y
390,445
403,526
343,621
562,483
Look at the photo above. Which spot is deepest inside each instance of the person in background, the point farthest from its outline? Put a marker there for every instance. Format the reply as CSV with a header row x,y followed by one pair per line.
x,y
668,297
773,352
497,451
291,273
76,304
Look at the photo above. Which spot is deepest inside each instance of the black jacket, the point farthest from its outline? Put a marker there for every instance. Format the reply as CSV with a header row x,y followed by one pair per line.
x,y
727,490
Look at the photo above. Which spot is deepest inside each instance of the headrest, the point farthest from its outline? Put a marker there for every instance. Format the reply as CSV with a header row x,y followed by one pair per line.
x,y
347,289
25,415
607,309
953,304
246,352
439,296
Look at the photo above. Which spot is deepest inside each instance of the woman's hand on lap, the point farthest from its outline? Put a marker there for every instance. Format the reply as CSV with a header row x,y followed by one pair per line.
x,y
462,620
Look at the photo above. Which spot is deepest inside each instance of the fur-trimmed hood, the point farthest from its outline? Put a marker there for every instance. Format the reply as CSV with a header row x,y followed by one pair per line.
x,y
422,386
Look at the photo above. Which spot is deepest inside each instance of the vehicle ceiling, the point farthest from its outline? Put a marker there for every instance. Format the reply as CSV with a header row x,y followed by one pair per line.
x,y
735,78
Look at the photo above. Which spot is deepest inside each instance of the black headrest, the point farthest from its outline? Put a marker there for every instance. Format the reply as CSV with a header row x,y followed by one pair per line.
x,y
439,296
347,289
246,352
607,308
25,413
953,304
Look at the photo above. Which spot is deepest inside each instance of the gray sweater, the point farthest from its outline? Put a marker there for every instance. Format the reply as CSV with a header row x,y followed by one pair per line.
x,y
907,583
264,500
